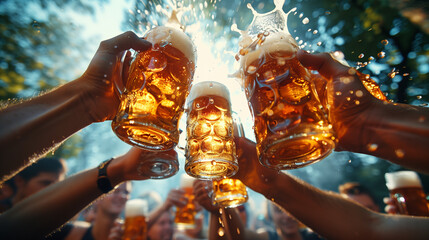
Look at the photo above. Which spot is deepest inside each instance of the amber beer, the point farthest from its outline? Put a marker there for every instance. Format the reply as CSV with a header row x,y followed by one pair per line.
x,y
290,124
159,165
135,227
229,192
406,189
210,149
157,84
185,216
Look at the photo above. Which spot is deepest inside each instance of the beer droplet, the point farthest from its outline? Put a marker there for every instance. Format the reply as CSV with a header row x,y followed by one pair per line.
x,y
357,102
399,153
350,161
319,43
221,232
419,97
359,93
372,147
361,55
370,58
305,21
381,54
211,100
392,74
315,32
384,42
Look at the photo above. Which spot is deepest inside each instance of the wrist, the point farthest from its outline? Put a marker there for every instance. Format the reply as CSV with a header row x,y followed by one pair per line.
x,y
114,172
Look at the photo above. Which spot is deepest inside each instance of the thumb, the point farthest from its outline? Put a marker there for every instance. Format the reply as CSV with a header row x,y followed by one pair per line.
x,y
324,63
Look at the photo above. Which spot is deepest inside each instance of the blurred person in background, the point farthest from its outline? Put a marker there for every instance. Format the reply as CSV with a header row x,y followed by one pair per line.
x,y
7,189
107,211
360,194
42,213
34,178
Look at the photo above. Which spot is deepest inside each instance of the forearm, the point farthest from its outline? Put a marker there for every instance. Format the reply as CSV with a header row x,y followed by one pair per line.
x,y
334,217
398,133
45,211
33,128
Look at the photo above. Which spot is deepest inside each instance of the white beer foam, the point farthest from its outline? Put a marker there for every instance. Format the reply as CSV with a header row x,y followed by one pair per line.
x,y
208,88
275,41
176,37
136,207
402,179
186,181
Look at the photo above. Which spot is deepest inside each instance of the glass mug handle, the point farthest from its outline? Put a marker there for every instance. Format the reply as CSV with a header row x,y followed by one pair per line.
x,y
400,200
122,71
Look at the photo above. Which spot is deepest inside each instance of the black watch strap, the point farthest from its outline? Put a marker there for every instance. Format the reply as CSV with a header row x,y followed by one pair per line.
x,y
103,181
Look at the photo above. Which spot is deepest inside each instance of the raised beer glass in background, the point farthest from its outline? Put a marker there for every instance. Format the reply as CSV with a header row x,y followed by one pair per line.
x,y
291,126
228,192
155,89
210,148
185,216
406,189
159,165
135,227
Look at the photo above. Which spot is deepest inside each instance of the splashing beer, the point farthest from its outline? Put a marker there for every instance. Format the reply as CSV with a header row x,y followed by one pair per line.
x,y
157,84
290,124
229,192
185,216
135,227
210,150
406,189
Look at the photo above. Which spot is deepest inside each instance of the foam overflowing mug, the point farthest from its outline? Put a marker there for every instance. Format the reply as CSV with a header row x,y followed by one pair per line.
x,y
406,189
291,126
153,91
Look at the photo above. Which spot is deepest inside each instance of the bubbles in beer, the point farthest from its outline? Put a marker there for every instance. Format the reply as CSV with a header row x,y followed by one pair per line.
x,y
384,42
381,54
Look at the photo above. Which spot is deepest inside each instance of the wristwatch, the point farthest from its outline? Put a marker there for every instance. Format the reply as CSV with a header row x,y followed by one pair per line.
x,y
103,181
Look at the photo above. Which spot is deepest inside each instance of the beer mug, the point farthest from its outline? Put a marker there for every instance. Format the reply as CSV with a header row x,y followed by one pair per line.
x,y
157,83
159,165
228,192
135,227
185,216
210,148
406,189
291,126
